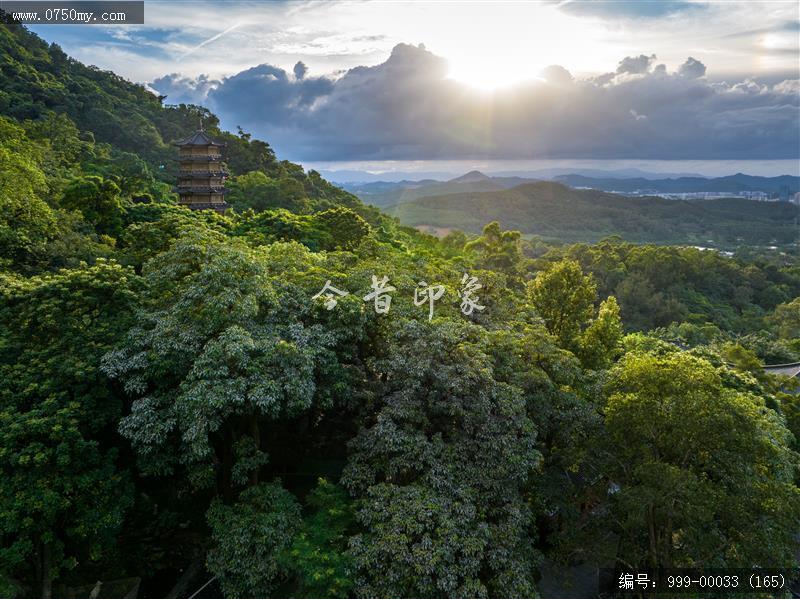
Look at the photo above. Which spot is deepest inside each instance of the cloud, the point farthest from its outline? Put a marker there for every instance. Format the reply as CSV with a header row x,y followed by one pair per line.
x,y
300,70
692,68
208,41
627,8
636,116
635,65
184,90
267,94
556,74
408,108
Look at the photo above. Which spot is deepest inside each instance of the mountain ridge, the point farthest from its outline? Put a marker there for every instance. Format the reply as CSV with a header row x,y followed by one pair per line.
x,y
386,193
554,210
739,182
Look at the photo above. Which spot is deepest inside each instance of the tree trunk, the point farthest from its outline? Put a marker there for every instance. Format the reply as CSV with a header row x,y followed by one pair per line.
x,y
651,521
667,559
227,466
47,581
255,431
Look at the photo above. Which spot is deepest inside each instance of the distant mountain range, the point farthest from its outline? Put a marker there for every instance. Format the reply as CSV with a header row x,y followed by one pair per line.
x,y
388,193
785,185
384,193
357,177
554,210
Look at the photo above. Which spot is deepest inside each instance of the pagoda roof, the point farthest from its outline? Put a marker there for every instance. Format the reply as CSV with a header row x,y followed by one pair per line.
x,y
199,138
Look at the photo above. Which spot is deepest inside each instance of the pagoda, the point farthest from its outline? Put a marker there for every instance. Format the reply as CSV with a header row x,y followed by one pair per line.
x,y
201,180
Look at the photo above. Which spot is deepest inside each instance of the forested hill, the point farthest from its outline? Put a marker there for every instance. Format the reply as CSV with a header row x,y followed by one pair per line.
x,y
384,193
86,106
554,210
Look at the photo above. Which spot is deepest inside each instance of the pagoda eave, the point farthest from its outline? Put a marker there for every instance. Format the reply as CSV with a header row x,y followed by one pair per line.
x,y
201,158
201,190
203,174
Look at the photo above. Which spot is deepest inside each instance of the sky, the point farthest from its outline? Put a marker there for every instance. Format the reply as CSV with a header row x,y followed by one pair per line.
x,y
382,80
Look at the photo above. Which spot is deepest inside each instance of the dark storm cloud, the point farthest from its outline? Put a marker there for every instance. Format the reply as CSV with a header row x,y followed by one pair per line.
x,y
407,108
300,70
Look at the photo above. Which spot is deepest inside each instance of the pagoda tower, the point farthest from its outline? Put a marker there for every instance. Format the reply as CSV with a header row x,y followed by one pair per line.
x,y
201,180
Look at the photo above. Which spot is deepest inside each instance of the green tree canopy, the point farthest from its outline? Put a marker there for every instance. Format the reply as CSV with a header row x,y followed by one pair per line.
x,y
61,493
440,469
26,220
564,297
249,538
704,473
98,200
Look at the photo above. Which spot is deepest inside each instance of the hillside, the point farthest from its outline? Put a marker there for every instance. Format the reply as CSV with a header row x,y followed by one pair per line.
x,y
122,122
387,193
556,211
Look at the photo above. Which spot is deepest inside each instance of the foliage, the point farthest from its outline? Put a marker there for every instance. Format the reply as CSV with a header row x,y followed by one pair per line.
x,y
334,229
213,354
249,536
346,228
255,190
693,462
564,297
656,286
440,472
600,342
787,319
63,497
790,406
25,219
99,202
498,250
318,555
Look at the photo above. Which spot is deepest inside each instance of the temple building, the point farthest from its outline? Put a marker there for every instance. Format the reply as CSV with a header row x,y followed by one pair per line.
x,y
201,180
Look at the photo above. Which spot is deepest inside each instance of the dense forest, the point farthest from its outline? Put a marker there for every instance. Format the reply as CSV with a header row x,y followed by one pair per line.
x,y
184,398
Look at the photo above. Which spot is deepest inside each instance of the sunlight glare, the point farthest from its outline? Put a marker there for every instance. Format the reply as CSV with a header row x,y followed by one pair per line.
x,y
492,49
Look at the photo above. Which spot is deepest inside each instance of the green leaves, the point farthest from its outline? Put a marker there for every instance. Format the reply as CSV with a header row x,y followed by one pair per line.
x,y
318,555
600,343
499,250
334,229
700,468
99,202
475,445
345,228
564,297
440,471
60,489
228,343
249,537
423,543
25,219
